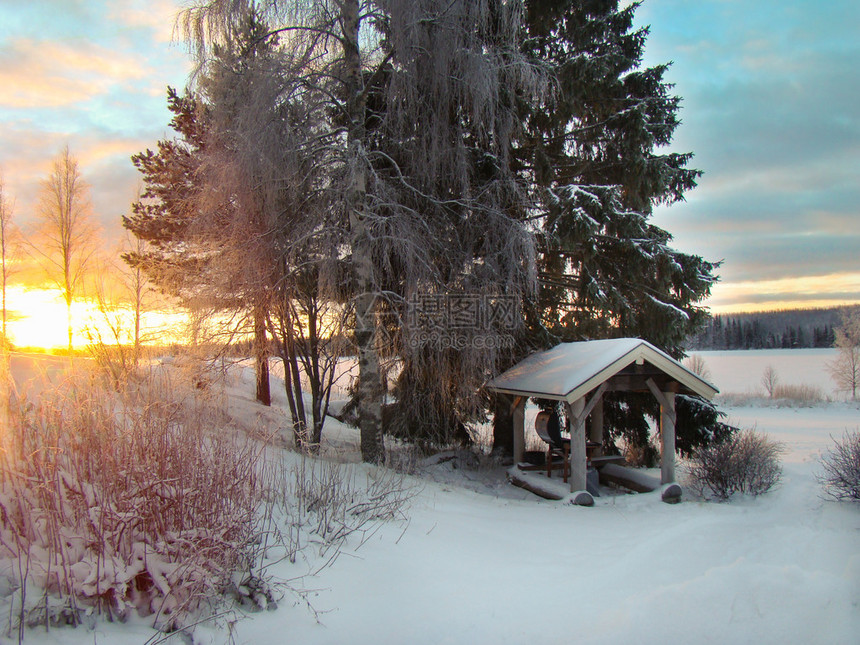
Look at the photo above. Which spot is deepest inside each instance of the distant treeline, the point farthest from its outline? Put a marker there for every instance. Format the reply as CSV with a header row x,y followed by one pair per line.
x,y
785,329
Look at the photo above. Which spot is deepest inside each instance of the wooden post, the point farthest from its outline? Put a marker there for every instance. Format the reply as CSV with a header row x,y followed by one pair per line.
x,y
578,458
667,431
519,408
596,432
667,436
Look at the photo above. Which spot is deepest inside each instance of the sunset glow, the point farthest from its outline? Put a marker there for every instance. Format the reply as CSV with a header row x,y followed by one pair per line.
x,y
37,319
803,292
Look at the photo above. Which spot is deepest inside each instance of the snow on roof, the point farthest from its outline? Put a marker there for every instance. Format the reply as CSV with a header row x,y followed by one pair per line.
x,y
570,370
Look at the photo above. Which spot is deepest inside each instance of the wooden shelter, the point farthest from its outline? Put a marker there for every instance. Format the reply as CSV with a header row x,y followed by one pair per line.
x,y
580,373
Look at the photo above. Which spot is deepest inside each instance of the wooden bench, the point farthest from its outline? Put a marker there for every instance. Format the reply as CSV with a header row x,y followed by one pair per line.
x,y
558,447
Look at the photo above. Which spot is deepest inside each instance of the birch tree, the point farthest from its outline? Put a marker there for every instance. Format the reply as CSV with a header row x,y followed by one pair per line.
x,y
412,101
65,238
845,368
232,212
137,290
278,245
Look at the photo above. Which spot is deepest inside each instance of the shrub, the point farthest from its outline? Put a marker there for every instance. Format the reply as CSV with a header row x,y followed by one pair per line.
x,y
150,500
841,476
124,502
801,394
746,463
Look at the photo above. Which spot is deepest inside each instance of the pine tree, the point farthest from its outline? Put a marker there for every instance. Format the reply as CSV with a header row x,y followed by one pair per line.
x,y
164,214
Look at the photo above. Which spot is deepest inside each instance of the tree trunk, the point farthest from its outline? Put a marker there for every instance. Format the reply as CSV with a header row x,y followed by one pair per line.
x,y
503,425
138,305
369,390
69,322
261,358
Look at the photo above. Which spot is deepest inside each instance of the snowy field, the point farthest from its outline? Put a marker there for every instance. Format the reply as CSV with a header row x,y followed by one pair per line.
x,y
478,561
740,372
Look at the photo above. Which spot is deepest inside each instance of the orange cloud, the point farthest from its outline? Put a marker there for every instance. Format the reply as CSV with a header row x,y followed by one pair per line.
x,y
786,293
40,74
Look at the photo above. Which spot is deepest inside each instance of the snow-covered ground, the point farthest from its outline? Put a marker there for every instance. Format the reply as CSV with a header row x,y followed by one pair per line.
x,y
479,561
741,372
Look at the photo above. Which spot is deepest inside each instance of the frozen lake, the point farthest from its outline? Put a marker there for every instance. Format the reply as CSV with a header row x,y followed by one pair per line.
x,y
741,371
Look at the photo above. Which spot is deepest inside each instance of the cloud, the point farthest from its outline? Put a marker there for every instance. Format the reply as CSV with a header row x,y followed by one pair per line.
x,y
158,16
770,93
807,291
26,155
44,74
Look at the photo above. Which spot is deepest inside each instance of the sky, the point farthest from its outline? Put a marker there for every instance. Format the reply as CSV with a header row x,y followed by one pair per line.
x,y
771,110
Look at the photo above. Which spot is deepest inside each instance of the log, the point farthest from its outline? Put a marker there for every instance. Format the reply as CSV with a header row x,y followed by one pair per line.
x,y
630,478
539,485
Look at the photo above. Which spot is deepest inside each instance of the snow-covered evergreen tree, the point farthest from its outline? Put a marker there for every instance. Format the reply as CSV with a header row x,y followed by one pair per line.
x,y
593,152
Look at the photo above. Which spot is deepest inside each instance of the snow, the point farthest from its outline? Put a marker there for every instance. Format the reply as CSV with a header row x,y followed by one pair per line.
x,y
667,305
741,371
570,370
479,561
563,368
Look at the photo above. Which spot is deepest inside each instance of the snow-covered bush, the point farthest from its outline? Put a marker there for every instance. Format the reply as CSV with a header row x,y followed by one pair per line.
x,y
841,476
747,463
139,501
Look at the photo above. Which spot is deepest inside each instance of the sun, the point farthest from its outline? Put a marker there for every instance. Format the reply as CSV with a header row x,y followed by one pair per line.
x,y
37,319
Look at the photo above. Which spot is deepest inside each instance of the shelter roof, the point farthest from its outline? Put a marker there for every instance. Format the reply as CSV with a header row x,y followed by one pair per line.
x,y
569,371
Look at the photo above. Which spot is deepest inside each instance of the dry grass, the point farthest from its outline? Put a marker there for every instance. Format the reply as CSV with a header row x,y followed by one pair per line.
x,y
141,496
123,502
781,395
801,394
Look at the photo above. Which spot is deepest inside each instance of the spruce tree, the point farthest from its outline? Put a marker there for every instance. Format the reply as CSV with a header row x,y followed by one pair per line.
x,y
593,152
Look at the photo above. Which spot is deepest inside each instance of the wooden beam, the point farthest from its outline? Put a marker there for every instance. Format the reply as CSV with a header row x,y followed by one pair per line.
x,y
595,434
591,403
667,439
662,398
